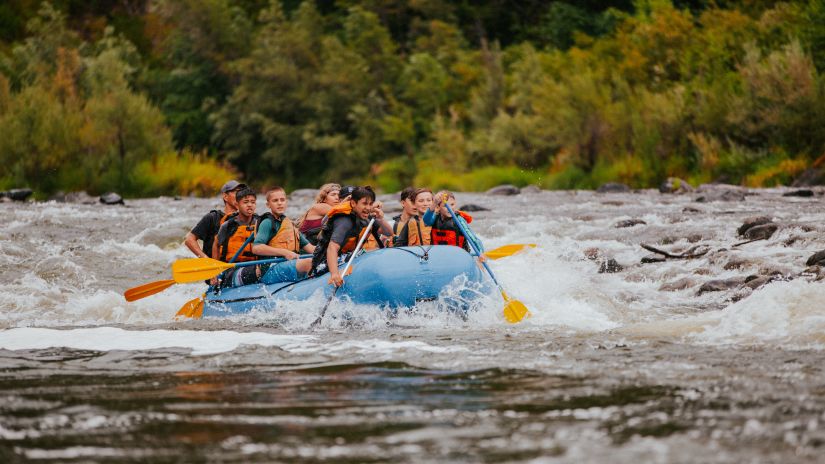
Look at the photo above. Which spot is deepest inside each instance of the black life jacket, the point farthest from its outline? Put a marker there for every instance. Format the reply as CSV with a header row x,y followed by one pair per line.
x,y
446,232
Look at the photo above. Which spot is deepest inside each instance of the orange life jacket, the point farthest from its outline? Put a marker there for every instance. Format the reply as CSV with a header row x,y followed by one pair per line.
x,y
237,235
287,238
324,237
418,233
444,233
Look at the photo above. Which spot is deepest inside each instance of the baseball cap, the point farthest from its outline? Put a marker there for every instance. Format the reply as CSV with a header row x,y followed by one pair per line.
x,y
232,185
346,191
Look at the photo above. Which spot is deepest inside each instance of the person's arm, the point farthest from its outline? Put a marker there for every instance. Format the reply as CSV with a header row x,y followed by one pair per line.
x,y
332,264
429,218
191,242
385,227
304,243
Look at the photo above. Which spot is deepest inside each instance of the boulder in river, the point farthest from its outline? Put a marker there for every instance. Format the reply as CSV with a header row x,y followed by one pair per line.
x,y
721,195
675,185
803,193
719,285
610,266
761,232
504,190
20,194
629,223
111,198
676,285
653,259
471,208
754,282
613,187
530,189
816,259
752,221
691,210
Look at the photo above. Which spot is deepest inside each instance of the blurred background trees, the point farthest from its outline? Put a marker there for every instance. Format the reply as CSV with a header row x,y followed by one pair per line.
x,y
174,96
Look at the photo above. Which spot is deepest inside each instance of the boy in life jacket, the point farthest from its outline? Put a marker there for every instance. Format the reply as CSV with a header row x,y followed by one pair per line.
x,y
276,237
233,236
343,227
407,211
444,230
414,232
207,228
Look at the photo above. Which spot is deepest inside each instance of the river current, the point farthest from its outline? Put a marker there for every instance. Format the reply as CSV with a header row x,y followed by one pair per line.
x,y
640,365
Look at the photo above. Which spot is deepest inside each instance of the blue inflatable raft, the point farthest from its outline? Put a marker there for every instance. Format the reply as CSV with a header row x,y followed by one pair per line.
x,y
390,278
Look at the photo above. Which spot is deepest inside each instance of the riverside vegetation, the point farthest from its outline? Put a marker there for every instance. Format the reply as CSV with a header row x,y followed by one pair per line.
x,y
175,96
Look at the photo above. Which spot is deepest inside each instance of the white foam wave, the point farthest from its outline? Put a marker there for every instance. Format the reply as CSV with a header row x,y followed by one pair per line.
x,y
207,342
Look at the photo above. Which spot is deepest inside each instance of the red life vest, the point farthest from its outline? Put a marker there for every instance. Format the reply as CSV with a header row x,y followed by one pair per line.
x,y
449,234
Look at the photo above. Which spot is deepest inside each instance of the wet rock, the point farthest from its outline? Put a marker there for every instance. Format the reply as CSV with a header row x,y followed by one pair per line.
x,y
691,210
613,203
111,198
737,263
754,282
763,232
530,189
592,253
721,195
653,259
504,190
303,193
471,208
752,222
693,238
675,185
775,270
613,187
17,194
804,193
720,285
177,198
676,285
629,223
610,266
816,259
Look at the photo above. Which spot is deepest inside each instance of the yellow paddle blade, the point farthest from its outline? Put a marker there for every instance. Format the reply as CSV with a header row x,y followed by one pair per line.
x,y
195,269
192,309
507,250
142,291
514,310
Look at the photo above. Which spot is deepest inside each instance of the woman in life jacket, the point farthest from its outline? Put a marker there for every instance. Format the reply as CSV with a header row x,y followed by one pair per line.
x,y
415,232
311,222
444,230
236,234
343,227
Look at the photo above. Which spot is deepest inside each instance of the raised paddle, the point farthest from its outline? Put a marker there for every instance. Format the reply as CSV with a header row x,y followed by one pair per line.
x,y
514,310
142,291
344,274
507,250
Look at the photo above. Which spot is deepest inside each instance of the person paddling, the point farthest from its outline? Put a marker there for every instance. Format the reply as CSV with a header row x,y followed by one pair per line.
x,y
444,230
342,228
276,237
207,228
236,234
415,232
311,223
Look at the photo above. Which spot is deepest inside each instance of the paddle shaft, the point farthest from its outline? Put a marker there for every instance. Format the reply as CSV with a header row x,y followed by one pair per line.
x,y
472,245
344,274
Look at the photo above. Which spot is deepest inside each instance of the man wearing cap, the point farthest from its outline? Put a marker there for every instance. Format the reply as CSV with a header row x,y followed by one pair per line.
x,y
207,227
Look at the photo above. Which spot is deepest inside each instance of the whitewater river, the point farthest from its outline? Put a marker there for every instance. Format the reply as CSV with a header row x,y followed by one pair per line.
x,y
611,367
